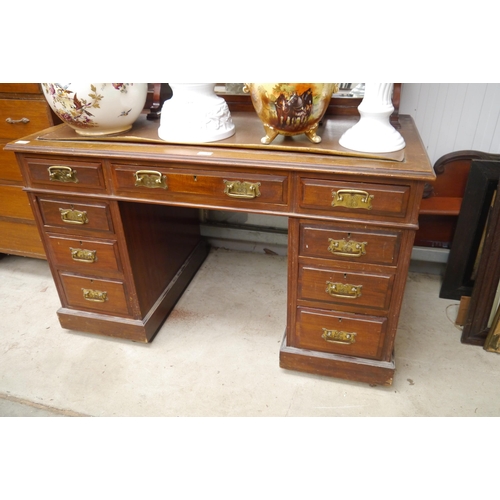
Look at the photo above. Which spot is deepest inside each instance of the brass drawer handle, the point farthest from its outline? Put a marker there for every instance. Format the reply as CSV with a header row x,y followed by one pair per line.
x,y
13,122
346,248
94,295
343,290
71,216
238,189
150,179
62,174
82,255
339,336
352,198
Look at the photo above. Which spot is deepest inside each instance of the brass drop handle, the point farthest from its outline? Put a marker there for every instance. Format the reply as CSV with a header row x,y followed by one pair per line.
x,y
94,295
338,336
346,248
150,179
343,290
71,216
62,174
238,189
83,255
352,198
13,122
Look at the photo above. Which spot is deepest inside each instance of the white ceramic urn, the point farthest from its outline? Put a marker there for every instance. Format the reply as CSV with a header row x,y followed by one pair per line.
x,y
95,109
195,114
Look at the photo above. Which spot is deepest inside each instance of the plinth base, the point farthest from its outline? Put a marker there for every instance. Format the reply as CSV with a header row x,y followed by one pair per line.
x,y
333,365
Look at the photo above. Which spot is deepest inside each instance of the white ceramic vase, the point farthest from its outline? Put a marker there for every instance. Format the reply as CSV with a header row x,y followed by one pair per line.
x,y
194,114
97,108
374,133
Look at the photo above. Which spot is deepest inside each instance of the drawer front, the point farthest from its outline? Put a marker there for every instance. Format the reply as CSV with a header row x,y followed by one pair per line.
x,y
357,199
14,203
340,333
343,243
96,257
204,186
19,238
76,216
19,118
66,175
9,169
21,88
347,290
99,295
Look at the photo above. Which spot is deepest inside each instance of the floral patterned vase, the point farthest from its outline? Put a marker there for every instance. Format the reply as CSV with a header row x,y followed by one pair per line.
x,y
291,108
97,108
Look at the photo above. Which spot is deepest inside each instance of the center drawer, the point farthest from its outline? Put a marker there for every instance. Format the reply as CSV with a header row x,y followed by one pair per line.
x,y
205,187
349,291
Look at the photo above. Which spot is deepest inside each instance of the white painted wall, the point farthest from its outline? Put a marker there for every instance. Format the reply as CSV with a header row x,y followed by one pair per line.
x,y
454,116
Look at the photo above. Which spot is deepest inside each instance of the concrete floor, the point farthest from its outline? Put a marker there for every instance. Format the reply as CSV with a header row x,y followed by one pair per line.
x,y
217,354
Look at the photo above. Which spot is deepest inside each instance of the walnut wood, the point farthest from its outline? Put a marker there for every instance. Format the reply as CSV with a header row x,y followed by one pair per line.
x,y
375,292
368,332
159,239
381,247
151,247
107,262
358,369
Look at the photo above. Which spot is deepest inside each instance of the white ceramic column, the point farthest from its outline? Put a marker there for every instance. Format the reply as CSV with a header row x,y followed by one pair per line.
x,y
374,133
195,113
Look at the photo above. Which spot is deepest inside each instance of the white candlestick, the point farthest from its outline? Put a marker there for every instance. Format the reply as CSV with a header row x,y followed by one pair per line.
x,y
374,133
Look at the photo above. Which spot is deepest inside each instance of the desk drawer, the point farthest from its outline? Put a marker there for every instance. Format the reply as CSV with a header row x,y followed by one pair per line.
x,y
9,169
357,199
345,243
96,257
66,175
201,186
340,333
14,203
21,117
100,295
333,288
76,216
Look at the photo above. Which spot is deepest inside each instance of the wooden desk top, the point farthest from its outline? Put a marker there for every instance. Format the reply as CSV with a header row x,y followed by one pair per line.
x,y
243,149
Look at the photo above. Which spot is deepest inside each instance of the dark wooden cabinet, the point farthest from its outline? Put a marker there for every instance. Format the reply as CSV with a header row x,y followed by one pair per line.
x,y
120,225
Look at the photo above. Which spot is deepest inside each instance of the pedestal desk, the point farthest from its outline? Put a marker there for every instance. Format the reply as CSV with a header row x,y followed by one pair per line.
x,y
119,219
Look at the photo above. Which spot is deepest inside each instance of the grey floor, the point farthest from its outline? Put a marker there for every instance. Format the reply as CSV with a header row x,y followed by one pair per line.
x,y
217,354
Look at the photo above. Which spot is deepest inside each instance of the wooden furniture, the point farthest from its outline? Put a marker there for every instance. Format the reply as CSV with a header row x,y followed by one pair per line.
x,y
474,264
119,221
23,111
442,200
